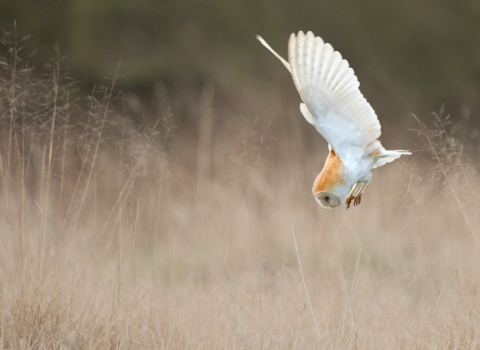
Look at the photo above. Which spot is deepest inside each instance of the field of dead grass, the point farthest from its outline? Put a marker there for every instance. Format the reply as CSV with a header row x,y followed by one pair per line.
x,y
124,235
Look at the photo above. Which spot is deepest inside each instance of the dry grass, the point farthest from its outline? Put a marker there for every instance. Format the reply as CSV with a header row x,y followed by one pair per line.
x,y
120,236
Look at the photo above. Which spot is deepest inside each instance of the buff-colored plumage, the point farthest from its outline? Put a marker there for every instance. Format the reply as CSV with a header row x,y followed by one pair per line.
x,y
334,105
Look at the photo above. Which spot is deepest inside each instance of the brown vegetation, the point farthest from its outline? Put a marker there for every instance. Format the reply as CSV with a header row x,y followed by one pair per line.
x,y
118,235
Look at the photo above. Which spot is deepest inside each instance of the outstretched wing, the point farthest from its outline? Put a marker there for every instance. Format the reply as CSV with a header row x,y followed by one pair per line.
x,y
330,91
332,101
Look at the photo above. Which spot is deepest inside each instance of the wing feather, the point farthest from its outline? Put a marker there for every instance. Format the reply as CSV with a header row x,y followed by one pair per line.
x,y
330,90
264,43
332,101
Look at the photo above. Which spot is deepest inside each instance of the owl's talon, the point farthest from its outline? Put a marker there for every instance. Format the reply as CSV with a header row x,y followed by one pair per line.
x,y
355,194
348,201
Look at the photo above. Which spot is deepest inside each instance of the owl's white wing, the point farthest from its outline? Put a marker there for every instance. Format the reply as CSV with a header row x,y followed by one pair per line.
x,y
330,91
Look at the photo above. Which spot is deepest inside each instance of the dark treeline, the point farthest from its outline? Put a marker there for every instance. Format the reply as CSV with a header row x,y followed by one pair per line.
x,y
410,56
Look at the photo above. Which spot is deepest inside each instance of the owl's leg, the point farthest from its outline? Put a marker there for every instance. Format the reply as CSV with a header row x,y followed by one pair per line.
x,y
356,193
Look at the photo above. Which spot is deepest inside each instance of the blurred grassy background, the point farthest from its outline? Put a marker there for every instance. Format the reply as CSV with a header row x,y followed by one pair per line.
x,y
163,216
410,56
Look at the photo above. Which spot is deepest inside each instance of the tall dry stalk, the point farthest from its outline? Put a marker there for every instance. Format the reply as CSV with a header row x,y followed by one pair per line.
x,y
452,150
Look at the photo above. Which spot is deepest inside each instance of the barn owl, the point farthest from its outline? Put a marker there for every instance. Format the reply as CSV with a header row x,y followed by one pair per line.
x,y
334,105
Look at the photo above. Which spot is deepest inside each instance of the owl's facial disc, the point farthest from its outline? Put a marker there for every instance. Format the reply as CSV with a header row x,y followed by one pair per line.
x,y
328,200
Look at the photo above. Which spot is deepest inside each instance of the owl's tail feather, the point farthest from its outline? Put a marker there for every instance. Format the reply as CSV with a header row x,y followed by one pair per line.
x,y
389,156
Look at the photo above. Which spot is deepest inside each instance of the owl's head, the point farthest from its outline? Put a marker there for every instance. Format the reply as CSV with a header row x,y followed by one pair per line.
x,y
328,200
331,187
